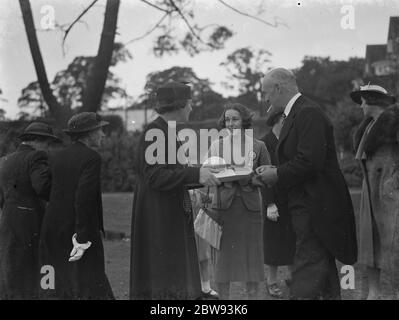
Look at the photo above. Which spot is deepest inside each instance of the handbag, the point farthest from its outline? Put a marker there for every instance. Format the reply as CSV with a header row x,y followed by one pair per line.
x,y
207,224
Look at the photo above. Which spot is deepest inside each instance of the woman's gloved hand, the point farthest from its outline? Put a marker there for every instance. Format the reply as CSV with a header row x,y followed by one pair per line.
x,y
78,249
272,212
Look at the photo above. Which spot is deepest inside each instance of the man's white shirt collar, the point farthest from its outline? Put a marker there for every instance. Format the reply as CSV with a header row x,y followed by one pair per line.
x,y
290,103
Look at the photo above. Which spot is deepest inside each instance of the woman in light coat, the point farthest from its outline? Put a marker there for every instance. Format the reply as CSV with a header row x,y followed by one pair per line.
x,y
377,149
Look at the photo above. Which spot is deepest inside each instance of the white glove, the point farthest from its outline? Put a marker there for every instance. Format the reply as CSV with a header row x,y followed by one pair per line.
x,y
272,212
78,249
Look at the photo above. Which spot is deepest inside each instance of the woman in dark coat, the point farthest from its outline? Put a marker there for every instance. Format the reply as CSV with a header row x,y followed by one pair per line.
x,y
377,149
278,235
164,262
71,240
25,187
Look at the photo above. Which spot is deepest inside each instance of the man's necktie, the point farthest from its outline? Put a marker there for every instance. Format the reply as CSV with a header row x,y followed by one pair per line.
x,y
284,116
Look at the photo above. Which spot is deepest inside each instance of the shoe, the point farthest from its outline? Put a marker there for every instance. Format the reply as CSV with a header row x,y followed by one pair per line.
x,y
211,294
274,291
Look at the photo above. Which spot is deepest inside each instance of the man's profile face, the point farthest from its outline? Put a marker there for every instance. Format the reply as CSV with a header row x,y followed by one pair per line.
x,y
269,93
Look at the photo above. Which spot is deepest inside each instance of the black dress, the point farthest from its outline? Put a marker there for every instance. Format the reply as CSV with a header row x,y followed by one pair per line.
x,y
278,237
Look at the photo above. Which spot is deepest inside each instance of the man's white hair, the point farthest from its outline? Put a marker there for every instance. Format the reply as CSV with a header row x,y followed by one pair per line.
x,y
282,77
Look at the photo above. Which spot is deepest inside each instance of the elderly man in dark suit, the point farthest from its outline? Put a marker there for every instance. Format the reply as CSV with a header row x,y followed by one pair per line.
x,y
71,240
25,183
317,196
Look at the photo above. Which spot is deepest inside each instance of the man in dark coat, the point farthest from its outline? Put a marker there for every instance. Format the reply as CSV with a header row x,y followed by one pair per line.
x,y
71,240
317,196
164,263
25,183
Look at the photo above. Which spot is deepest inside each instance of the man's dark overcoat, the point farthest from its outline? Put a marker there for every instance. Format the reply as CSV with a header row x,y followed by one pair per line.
x,y
318,201
25,183
308,168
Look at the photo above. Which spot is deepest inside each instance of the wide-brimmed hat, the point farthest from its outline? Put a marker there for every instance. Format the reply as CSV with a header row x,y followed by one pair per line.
x,y
39,129
84,122
173,93
376,91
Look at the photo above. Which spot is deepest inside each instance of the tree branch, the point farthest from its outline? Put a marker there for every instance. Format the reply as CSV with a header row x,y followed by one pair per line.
x,y
60,113
97,75
76,20
157,7
194,33
274,25
149,31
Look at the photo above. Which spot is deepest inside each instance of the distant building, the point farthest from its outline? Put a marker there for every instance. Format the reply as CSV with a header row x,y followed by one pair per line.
x,y
393,39
377,63
382,59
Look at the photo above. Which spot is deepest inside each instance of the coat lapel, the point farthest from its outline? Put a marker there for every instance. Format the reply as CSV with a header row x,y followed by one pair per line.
x,y
289,122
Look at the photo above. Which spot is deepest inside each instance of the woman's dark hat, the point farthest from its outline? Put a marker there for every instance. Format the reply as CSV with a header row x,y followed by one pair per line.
x,y
84,122
172,93
379,92
39,129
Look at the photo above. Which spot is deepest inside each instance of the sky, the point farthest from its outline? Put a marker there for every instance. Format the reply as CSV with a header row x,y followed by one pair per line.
x,y
311,27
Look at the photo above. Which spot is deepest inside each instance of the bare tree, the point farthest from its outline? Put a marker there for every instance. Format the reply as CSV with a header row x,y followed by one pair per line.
x,y
99,70
193,42
60,113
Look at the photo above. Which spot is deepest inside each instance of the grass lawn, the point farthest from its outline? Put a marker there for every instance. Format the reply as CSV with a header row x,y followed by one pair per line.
x,y
117,217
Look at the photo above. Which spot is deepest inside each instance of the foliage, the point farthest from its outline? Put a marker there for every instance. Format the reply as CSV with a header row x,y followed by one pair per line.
x,y
206,102
69,85
245,66
9,131
328,81
2,111
115,124
171,38
118,154
345,116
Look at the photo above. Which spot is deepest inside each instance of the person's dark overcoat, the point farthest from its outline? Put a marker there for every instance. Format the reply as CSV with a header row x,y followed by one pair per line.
x,y
75,207
164,263
25,183
308,168
278,236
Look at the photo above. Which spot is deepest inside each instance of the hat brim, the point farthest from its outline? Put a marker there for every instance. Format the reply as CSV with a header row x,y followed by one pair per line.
x,y
357,95
39,134
99,125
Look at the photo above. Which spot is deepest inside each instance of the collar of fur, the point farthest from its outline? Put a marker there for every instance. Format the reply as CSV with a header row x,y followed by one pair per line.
x,y
383,132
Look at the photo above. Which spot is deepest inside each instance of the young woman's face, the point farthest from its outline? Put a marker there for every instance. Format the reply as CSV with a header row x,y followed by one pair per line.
x,y
232,119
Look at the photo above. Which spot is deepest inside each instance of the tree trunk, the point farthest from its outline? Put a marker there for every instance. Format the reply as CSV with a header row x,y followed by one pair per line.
x,y
61,114
98,72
